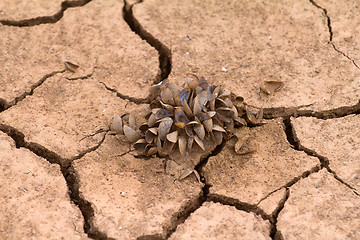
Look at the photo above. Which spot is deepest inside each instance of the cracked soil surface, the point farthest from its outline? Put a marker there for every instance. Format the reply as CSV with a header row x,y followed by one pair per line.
x,y
64,175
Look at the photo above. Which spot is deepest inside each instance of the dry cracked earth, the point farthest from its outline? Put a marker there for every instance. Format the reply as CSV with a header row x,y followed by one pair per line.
x,y
64,176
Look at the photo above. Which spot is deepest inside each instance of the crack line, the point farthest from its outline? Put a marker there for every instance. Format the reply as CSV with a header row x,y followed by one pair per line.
x,y
352,60
89,75
287,112
293,181
331,32
68,172
183,214
3,103
239,205
324,161
125,97
45,19
165,60
92,149
274,233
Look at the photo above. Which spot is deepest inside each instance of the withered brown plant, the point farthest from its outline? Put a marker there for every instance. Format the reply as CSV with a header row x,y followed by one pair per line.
x,y
189,119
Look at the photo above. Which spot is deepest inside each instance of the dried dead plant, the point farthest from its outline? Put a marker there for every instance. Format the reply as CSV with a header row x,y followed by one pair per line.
x,y
189,119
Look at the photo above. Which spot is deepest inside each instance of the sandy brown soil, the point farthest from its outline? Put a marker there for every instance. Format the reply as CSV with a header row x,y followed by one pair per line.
x,y
64,175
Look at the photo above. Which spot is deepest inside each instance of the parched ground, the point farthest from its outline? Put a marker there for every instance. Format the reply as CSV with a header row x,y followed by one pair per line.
x,y
63,175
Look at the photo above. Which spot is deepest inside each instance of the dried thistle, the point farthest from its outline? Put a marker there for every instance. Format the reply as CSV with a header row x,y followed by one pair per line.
x,y
186,120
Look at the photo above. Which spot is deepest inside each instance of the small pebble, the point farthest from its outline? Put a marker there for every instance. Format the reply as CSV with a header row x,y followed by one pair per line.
x,y
223,69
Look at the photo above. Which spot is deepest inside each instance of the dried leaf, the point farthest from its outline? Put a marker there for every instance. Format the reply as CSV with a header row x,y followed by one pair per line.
x,y
264,90
184,95
132,122
200,131
182,145
180,116
208,124
172,137
155,110
140,145
150,136
158,144
211,113
240,121
202,116
116,124
218,128
199,142
218,137
131,134
224,93
152,120
151,151
259,115
190,143
254,119
144,127
193,123
274,85
164,127
186,173
200,101
162,113
187,110
230,126
167,96
189,131
197,175
180,124
71,66
241,146
168,146
193,80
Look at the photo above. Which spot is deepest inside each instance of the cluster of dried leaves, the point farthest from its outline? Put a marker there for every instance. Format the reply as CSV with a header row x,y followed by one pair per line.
x,y
187,120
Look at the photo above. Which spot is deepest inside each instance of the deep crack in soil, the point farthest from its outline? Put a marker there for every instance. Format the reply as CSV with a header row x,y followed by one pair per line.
x,y
243,206
69,174
324,161
125,97
85,206
5,105
91,149
45,19
165,60
181,216
328,20
89,75
284,112
274,233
